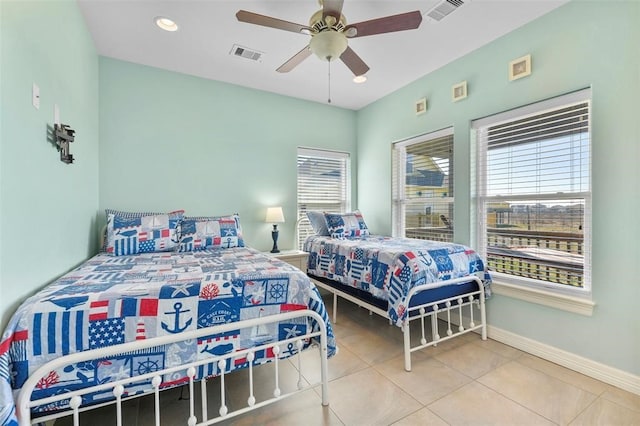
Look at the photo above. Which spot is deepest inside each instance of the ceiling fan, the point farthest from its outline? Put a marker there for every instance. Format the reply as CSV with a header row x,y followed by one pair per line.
x,y
330,32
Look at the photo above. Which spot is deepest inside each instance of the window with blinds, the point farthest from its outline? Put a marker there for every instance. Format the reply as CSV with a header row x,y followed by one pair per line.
x,y
534,193
422,181
324,184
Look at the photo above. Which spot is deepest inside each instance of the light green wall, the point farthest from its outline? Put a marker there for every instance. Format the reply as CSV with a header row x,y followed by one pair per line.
x,y
581,44
47,207
171,141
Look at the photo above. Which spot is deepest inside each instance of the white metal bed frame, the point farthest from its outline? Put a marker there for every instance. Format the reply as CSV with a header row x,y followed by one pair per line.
x,y
74,398
431,310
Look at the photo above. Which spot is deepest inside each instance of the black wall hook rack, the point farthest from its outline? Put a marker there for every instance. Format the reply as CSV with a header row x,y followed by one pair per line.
x,y
64,136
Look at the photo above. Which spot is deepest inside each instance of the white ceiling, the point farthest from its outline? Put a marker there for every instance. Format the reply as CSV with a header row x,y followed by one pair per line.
x,y
125,30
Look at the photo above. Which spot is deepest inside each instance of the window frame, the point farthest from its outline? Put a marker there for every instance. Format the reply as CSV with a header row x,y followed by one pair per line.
x,y
303,226
563,296
398,180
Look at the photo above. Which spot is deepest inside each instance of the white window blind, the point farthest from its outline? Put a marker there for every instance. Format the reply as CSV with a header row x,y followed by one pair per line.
x,y
422,181
534,193
324,184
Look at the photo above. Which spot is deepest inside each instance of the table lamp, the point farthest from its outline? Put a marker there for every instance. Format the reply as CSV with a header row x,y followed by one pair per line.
x,y
275,216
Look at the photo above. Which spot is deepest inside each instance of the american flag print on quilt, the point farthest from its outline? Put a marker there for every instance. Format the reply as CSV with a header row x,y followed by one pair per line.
x,y
111,300
388,268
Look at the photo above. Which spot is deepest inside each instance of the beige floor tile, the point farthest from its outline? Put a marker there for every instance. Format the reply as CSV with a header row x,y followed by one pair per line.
x,y
347,326
302,409
371,347
447,345
442,346
499,348
264,383
428,380
605,412
471,359
539,392
588,384
341,364
367,398
374,322
622,397
475,404
421,417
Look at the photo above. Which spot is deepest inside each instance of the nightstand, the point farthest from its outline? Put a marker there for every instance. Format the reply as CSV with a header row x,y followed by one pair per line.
x,y
296,258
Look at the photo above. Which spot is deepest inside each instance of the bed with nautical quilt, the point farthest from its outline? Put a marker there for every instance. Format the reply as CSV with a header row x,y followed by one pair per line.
x,y
402,279
155,320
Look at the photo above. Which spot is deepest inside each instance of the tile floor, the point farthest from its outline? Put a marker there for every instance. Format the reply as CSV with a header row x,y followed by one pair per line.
x,y
465,381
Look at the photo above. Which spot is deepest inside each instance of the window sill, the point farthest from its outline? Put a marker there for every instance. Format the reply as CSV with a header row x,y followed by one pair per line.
x,y
566,303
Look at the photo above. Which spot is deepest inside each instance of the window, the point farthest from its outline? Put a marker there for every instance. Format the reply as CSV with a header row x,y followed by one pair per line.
x,y
534,194
422,180
324,183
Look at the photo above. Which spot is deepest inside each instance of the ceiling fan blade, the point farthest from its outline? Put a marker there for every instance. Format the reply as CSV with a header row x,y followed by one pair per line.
x,y
388,24
353,61
295,60
332,8
267,21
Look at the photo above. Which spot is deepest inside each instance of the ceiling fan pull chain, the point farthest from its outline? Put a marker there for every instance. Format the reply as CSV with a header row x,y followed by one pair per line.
x,y
329,89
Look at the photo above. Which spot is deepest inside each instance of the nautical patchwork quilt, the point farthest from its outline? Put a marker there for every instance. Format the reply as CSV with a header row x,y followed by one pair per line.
x,y
389,267
111,300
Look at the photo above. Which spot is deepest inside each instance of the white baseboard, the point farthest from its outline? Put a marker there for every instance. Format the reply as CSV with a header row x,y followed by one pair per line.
x,y
596,370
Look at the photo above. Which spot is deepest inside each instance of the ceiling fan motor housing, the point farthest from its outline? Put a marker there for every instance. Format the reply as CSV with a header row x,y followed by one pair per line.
x,y
319,23
328,41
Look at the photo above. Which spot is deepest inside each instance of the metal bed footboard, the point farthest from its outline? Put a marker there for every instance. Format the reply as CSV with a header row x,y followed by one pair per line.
x,y
433,310
74,398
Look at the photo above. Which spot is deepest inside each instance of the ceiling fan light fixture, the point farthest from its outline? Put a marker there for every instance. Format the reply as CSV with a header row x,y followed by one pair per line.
x,y
166,23
328,45
360,79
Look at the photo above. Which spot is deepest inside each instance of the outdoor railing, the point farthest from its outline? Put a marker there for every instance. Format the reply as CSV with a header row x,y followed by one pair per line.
x,y
567,242
433,233
556,257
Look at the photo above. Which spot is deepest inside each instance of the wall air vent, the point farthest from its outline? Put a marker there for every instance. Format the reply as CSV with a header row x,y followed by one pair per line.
x,y
244,52
444,8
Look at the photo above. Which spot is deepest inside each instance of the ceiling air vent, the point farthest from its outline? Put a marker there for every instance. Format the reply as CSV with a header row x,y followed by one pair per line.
x,y
247,53
444,8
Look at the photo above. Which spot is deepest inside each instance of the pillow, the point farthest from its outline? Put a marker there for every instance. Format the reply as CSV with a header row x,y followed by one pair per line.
x,y
132,233
131,215
318,222
200,233
345,225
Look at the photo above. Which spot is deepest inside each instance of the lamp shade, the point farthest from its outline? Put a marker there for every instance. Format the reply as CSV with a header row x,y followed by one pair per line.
x,y
274,215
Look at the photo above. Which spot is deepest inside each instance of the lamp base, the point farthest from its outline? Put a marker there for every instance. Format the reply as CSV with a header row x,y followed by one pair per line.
x,y
274,236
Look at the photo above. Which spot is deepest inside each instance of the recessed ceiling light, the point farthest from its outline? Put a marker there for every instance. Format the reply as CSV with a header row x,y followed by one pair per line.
x,y
166,23
359,78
